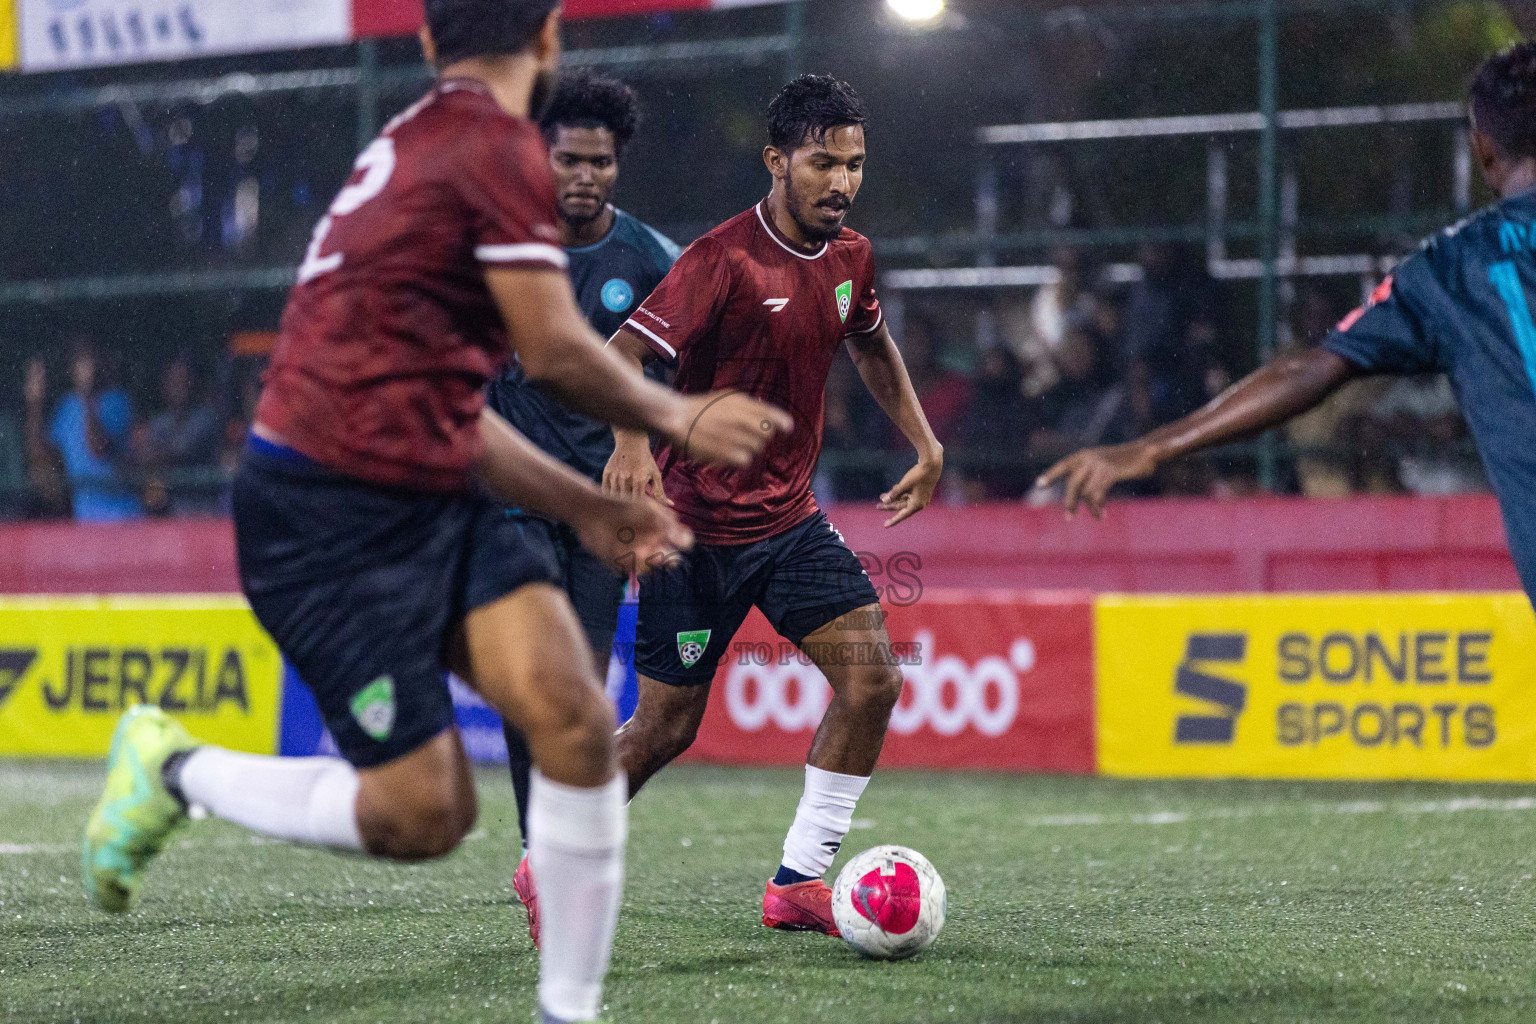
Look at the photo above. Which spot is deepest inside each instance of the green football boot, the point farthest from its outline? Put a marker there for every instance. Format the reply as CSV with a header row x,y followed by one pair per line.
x,y
137,815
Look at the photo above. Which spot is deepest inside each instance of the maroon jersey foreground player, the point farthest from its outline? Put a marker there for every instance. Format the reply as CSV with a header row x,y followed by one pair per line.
x,y
369,513
760,305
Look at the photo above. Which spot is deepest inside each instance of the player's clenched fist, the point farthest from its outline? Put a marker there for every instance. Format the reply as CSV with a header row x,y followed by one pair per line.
x,y
727,427
1090,474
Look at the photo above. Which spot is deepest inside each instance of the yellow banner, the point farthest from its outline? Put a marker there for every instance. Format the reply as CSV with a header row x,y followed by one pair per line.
x,y
1363,686
7,34
70,666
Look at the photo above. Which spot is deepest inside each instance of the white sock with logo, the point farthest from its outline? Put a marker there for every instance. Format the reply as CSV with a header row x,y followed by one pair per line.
x,y
822,820
576,852
303,799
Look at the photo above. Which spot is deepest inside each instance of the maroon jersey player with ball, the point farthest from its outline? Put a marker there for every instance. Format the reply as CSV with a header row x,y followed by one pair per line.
x,y
760,305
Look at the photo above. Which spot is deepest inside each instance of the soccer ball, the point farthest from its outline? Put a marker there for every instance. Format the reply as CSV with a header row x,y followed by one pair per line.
x,y
889,903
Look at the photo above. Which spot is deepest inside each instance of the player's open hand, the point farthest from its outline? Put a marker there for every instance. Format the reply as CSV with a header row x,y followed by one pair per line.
x,y
1089,474
631,470
632,535
729,428
913,492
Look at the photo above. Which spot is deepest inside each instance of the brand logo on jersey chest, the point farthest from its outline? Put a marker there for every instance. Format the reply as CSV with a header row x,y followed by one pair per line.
x,y
776,305
617,295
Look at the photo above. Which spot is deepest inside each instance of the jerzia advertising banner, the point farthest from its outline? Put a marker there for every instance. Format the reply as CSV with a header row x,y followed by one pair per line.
x,y
70,666
1361,686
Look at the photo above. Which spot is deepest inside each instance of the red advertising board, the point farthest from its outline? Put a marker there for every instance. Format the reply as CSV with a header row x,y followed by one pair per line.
x,y
1000,681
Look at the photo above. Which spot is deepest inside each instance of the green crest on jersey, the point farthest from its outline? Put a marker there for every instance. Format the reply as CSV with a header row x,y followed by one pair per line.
x,y
374,707
844,299
690,646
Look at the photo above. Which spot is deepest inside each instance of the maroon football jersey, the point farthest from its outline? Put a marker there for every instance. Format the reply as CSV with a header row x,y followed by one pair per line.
x,y
391,332
744,309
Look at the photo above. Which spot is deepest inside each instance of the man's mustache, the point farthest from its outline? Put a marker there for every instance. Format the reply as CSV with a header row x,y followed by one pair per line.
x,y
837,203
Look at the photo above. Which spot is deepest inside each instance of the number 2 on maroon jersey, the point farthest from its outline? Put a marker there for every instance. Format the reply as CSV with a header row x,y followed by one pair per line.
x,y
377,163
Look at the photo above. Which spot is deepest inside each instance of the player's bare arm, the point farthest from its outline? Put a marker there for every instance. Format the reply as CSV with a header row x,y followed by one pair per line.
x,y
885,375
1265,398
558,349
632,468
631,535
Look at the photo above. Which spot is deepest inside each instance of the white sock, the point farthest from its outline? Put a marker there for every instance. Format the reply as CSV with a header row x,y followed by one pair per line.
x,y
822,820
305,799
577,855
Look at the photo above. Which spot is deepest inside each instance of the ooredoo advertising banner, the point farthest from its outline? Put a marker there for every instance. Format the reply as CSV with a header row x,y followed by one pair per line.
x,y
1360,686
81,33
999,682
69,667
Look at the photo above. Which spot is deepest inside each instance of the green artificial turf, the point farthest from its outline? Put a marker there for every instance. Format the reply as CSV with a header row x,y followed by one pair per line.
x,y
1070,900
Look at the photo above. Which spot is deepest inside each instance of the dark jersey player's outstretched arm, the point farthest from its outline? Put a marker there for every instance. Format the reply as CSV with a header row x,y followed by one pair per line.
x,y
1269,396
885,375
558,349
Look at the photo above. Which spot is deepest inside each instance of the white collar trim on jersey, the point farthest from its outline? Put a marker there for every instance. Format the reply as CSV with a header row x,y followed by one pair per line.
x,y
787,248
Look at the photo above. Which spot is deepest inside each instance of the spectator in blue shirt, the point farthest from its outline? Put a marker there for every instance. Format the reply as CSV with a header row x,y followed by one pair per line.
x,y
90,429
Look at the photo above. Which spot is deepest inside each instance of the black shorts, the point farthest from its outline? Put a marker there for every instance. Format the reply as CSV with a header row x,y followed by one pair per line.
x,y
361,586
595,590
690,611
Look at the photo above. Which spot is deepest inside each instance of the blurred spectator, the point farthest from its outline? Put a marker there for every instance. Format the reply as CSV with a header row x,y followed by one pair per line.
x,y
851,472
90,431
185,435
47,496
1340,448
240,390
1421,416
1170,327
1090,406
1036,333
994,429
943,392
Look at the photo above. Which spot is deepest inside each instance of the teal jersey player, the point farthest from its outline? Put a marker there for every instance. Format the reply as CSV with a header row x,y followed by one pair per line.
x,y
1461,305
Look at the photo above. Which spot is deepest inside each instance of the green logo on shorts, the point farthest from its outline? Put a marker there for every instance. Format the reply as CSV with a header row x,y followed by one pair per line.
x,y
844,299
374,707
690,646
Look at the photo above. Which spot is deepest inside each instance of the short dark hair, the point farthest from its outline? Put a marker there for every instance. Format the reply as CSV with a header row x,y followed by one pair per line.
x,y
585,100
483,28
1504,100
811,106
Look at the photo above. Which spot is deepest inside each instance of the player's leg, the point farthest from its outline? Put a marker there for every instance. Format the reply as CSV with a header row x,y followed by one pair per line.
x,y
595,594
664,724
354,584
535,531
820,598
688,614
516,651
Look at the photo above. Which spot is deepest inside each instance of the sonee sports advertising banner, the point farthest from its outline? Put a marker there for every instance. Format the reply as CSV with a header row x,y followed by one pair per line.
x,y
70,666
1337,687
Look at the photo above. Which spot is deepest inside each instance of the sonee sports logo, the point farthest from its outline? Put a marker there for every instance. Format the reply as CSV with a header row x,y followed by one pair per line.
x,y
1230,696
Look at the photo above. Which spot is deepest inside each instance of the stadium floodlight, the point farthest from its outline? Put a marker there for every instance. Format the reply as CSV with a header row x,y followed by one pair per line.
x,y
916,11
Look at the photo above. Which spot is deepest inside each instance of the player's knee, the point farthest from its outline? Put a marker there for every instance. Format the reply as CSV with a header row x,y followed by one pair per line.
x,y
580,724
422,828
875,689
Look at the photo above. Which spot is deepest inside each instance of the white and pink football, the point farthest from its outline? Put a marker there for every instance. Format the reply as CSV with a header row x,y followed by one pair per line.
x,y
889,903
